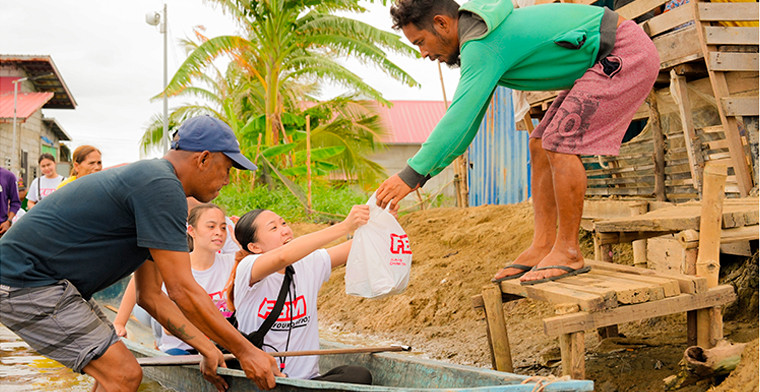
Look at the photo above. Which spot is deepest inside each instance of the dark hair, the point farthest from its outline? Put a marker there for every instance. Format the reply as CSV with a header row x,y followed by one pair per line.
x,y
245,233
46,156
195,214
420,13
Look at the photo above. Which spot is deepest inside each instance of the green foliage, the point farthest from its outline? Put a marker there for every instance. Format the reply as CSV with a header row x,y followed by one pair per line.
x,y
336,201
285,50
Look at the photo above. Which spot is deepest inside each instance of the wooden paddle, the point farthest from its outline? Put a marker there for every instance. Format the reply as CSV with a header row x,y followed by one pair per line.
x,y
175,360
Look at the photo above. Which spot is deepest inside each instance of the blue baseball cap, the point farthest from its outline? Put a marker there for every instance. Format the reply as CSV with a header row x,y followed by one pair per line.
x,y
205,133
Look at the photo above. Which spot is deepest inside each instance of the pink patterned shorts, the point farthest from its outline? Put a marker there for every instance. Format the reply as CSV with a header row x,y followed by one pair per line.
x,y
591,118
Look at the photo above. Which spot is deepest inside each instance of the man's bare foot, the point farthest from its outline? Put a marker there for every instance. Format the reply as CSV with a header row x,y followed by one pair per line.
x,y
529,257
571,258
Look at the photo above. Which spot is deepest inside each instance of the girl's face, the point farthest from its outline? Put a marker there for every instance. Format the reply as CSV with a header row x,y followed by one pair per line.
x,y
47,167
210,231
91,164
272,232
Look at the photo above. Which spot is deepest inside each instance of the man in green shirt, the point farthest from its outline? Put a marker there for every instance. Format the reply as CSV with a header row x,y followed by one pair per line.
x,y
606,65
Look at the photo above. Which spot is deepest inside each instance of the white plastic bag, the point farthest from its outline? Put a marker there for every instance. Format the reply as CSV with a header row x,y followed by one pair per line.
x,y
380,259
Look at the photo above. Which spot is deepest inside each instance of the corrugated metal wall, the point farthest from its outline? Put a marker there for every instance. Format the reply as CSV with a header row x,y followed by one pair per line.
x,y
499,170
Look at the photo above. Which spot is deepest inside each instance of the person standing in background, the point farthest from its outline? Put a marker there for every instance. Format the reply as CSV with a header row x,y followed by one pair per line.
x,y
9,201
87,160
45,184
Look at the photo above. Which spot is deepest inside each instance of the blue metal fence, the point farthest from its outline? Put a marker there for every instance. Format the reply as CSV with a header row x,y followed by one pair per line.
x,y
499,171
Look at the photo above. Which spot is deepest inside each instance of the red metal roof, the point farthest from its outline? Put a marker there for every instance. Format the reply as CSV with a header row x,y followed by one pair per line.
x,y
410,122
26,105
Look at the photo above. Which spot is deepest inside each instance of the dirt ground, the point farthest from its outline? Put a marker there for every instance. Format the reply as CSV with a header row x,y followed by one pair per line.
x,y
456,252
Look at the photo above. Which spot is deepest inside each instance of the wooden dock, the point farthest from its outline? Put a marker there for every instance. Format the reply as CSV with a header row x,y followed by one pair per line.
x,y
608,295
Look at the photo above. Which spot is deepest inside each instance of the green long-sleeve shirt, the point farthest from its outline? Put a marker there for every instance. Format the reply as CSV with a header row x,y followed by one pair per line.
x,y
544,47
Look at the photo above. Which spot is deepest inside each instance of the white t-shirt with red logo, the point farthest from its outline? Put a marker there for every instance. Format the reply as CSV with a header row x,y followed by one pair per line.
x,y
212,280
41,187
253,304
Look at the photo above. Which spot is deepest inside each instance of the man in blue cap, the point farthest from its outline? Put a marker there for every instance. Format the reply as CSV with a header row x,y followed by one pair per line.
x,y
101,228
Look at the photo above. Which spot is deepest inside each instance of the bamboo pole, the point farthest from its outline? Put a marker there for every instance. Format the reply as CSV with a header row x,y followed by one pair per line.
x,y
460,165
308,165
170,360
256,159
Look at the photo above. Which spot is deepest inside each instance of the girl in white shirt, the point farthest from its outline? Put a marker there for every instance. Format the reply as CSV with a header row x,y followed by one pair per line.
x,y
44,184
268,248
207,232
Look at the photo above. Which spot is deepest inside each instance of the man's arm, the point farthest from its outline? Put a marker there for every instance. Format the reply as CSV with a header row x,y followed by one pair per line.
x,y
455,131
146,290
197,307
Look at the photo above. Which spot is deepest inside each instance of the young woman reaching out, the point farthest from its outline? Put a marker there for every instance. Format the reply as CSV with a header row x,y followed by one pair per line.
x,y
268,248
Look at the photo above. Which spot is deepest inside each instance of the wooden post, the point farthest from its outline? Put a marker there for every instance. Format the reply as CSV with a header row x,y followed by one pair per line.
x,y
708,264
689,267
308,165
640,246
573,353
497,328
659,147
681,96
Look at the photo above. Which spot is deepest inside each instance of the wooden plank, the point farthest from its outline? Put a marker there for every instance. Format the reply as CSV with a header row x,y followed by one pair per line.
x,y
669,286
728,61
584,321
658,143
740,106
721,35
591,286
667,21
678,218
687,284
497,328
637,8
681,96
677,47
630,291
477,300
708,259
727,11
553,292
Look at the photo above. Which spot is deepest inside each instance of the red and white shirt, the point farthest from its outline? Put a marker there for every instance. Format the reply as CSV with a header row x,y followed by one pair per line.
x,y
253,304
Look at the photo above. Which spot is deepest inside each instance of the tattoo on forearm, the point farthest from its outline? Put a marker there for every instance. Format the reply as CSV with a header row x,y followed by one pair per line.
x,y
178,331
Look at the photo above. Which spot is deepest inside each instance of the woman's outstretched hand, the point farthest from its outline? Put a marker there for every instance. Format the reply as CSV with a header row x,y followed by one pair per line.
x,y
358,217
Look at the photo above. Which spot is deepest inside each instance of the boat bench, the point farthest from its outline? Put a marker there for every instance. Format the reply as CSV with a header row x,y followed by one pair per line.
x,y
607,295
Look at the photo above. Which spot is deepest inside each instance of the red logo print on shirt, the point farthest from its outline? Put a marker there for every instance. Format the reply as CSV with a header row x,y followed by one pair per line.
x,y
400,244
298,310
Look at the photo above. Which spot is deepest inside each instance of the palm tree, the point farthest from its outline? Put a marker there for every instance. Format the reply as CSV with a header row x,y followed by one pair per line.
x,y
288,46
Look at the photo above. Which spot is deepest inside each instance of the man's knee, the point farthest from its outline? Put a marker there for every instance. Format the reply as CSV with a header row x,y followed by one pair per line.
x,y
126,378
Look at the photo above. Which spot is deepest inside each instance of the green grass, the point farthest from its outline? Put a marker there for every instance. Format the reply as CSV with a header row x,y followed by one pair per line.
x,y
335,201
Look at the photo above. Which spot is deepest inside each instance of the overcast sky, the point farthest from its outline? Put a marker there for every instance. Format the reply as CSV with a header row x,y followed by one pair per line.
x,y
111,61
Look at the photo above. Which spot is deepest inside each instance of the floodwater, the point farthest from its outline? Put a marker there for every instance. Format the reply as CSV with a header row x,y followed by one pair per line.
x,y
22,369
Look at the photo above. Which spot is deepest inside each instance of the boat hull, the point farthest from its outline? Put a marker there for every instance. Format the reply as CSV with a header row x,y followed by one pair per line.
x,y
392,372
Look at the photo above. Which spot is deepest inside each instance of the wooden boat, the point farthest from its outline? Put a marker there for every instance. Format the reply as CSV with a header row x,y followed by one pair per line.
x,y
390,372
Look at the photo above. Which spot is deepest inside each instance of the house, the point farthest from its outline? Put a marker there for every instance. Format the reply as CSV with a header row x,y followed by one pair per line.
x,y
29,83
408,124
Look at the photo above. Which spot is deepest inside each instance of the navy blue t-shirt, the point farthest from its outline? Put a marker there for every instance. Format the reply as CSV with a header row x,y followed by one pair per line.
x,y
97,229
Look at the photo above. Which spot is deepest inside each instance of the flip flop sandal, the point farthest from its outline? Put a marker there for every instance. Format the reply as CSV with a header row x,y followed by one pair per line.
x,y
524,269
570,272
